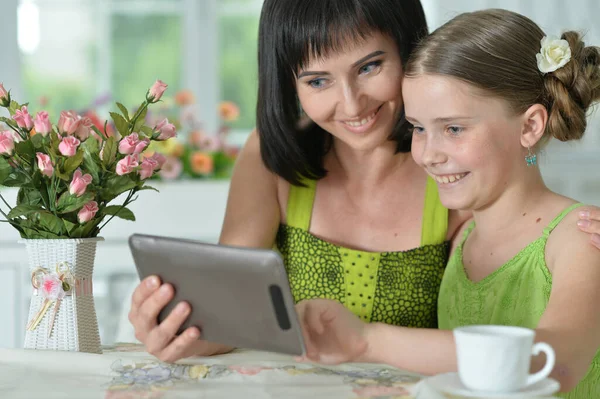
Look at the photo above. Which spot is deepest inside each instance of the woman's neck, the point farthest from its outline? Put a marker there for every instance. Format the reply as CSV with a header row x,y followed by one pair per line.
x,y
370,168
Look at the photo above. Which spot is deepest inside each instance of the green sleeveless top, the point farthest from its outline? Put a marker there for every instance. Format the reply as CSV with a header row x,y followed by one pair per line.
x,y
399,288
516,294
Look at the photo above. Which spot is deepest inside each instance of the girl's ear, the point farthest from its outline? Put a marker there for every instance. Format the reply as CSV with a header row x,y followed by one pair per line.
x,y
534,125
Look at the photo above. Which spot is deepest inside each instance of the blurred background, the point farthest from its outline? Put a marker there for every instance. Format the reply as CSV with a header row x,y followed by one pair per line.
x,y
86,54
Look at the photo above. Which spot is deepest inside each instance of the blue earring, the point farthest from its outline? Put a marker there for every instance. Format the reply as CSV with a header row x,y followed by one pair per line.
x,y
530,158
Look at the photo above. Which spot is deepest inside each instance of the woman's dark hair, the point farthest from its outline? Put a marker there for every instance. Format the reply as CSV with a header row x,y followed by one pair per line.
x,y
291,32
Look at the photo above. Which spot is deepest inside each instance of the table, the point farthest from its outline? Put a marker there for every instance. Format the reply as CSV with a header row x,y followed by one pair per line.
x,y
126,371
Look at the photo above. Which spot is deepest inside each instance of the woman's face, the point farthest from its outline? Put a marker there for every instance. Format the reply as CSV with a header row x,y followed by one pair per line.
x,y
355,94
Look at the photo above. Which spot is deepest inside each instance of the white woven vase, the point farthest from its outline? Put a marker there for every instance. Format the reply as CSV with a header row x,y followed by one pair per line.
x,y
75,326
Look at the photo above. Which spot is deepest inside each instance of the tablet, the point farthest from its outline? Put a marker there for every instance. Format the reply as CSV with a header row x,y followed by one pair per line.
x,y
239,296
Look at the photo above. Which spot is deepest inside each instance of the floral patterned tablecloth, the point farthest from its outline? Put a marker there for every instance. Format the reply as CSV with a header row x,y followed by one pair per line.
x,y
126,371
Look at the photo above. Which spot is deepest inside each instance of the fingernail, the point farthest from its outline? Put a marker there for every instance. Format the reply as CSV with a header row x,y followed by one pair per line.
x,y
181,308
193,333
584,214
164,290
596,239
584,224
152,282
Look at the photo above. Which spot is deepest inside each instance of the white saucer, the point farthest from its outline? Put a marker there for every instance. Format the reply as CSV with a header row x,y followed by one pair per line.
x,y
450,383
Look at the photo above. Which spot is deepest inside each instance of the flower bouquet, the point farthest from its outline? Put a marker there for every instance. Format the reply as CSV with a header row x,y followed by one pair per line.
x,y
68,176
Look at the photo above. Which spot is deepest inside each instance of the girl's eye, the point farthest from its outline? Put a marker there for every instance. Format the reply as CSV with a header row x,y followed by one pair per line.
x,y
316,83
418,130
455,130
370,67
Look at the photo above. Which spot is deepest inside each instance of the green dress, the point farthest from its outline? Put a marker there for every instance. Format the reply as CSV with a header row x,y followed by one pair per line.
x,y
516,294
399,288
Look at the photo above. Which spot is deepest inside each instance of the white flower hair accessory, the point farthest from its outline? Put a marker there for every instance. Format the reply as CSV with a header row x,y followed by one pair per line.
x,y
554,54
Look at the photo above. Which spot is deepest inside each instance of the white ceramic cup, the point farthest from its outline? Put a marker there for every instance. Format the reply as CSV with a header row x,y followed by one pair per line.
x,y
497,358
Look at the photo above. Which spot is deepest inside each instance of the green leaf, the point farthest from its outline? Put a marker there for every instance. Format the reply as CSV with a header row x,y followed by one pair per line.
x,y
124,111
13,107
25,149
23,210
121,124
89,227
146,187
117,210
5,170
110,152
115,186
51,223
72,163
69,226
98,132
140,120
70,203
10,122
91,159
37,141
15,180
28,196
148,131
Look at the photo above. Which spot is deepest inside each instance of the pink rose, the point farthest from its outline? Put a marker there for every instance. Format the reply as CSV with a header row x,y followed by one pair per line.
x,y
51,287
23,119
160,159
88,212
84,129
42,123
4,96
132,144
7,142
68,123
149,165
171,169
45,164
68,146
127,164
79,183
156,91
167,130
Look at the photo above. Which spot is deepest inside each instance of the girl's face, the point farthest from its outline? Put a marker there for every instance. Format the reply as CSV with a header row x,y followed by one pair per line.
x,y
354,94
469,143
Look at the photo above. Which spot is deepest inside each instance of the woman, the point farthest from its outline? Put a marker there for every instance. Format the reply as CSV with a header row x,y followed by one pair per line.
x,y
328,179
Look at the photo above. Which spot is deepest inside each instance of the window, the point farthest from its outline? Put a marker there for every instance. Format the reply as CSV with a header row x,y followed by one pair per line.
x,y
77,54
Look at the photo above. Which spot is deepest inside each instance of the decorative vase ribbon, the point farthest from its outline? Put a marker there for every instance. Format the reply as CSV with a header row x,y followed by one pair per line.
x,y
54,286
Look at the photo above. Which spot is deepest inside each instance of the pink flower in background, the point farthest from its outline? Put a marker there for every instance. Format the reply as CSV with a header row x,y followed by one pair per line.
x,y
171,169
149,165
132,144
68,146
42,123
88,212
159,158
4,96
127,164
84,129
156,91
51,287
45,164
23,119
229,111
167,130
68,123
7,142
79,183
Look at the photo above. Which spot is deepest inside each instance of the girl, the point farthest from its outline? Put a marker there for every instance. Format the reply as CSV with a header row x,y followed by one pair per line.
x,y
501,90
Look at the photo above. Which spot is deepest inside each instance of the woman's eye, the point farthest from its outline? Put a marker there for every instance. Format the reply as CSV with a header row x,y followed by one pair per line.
x,y
370,67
